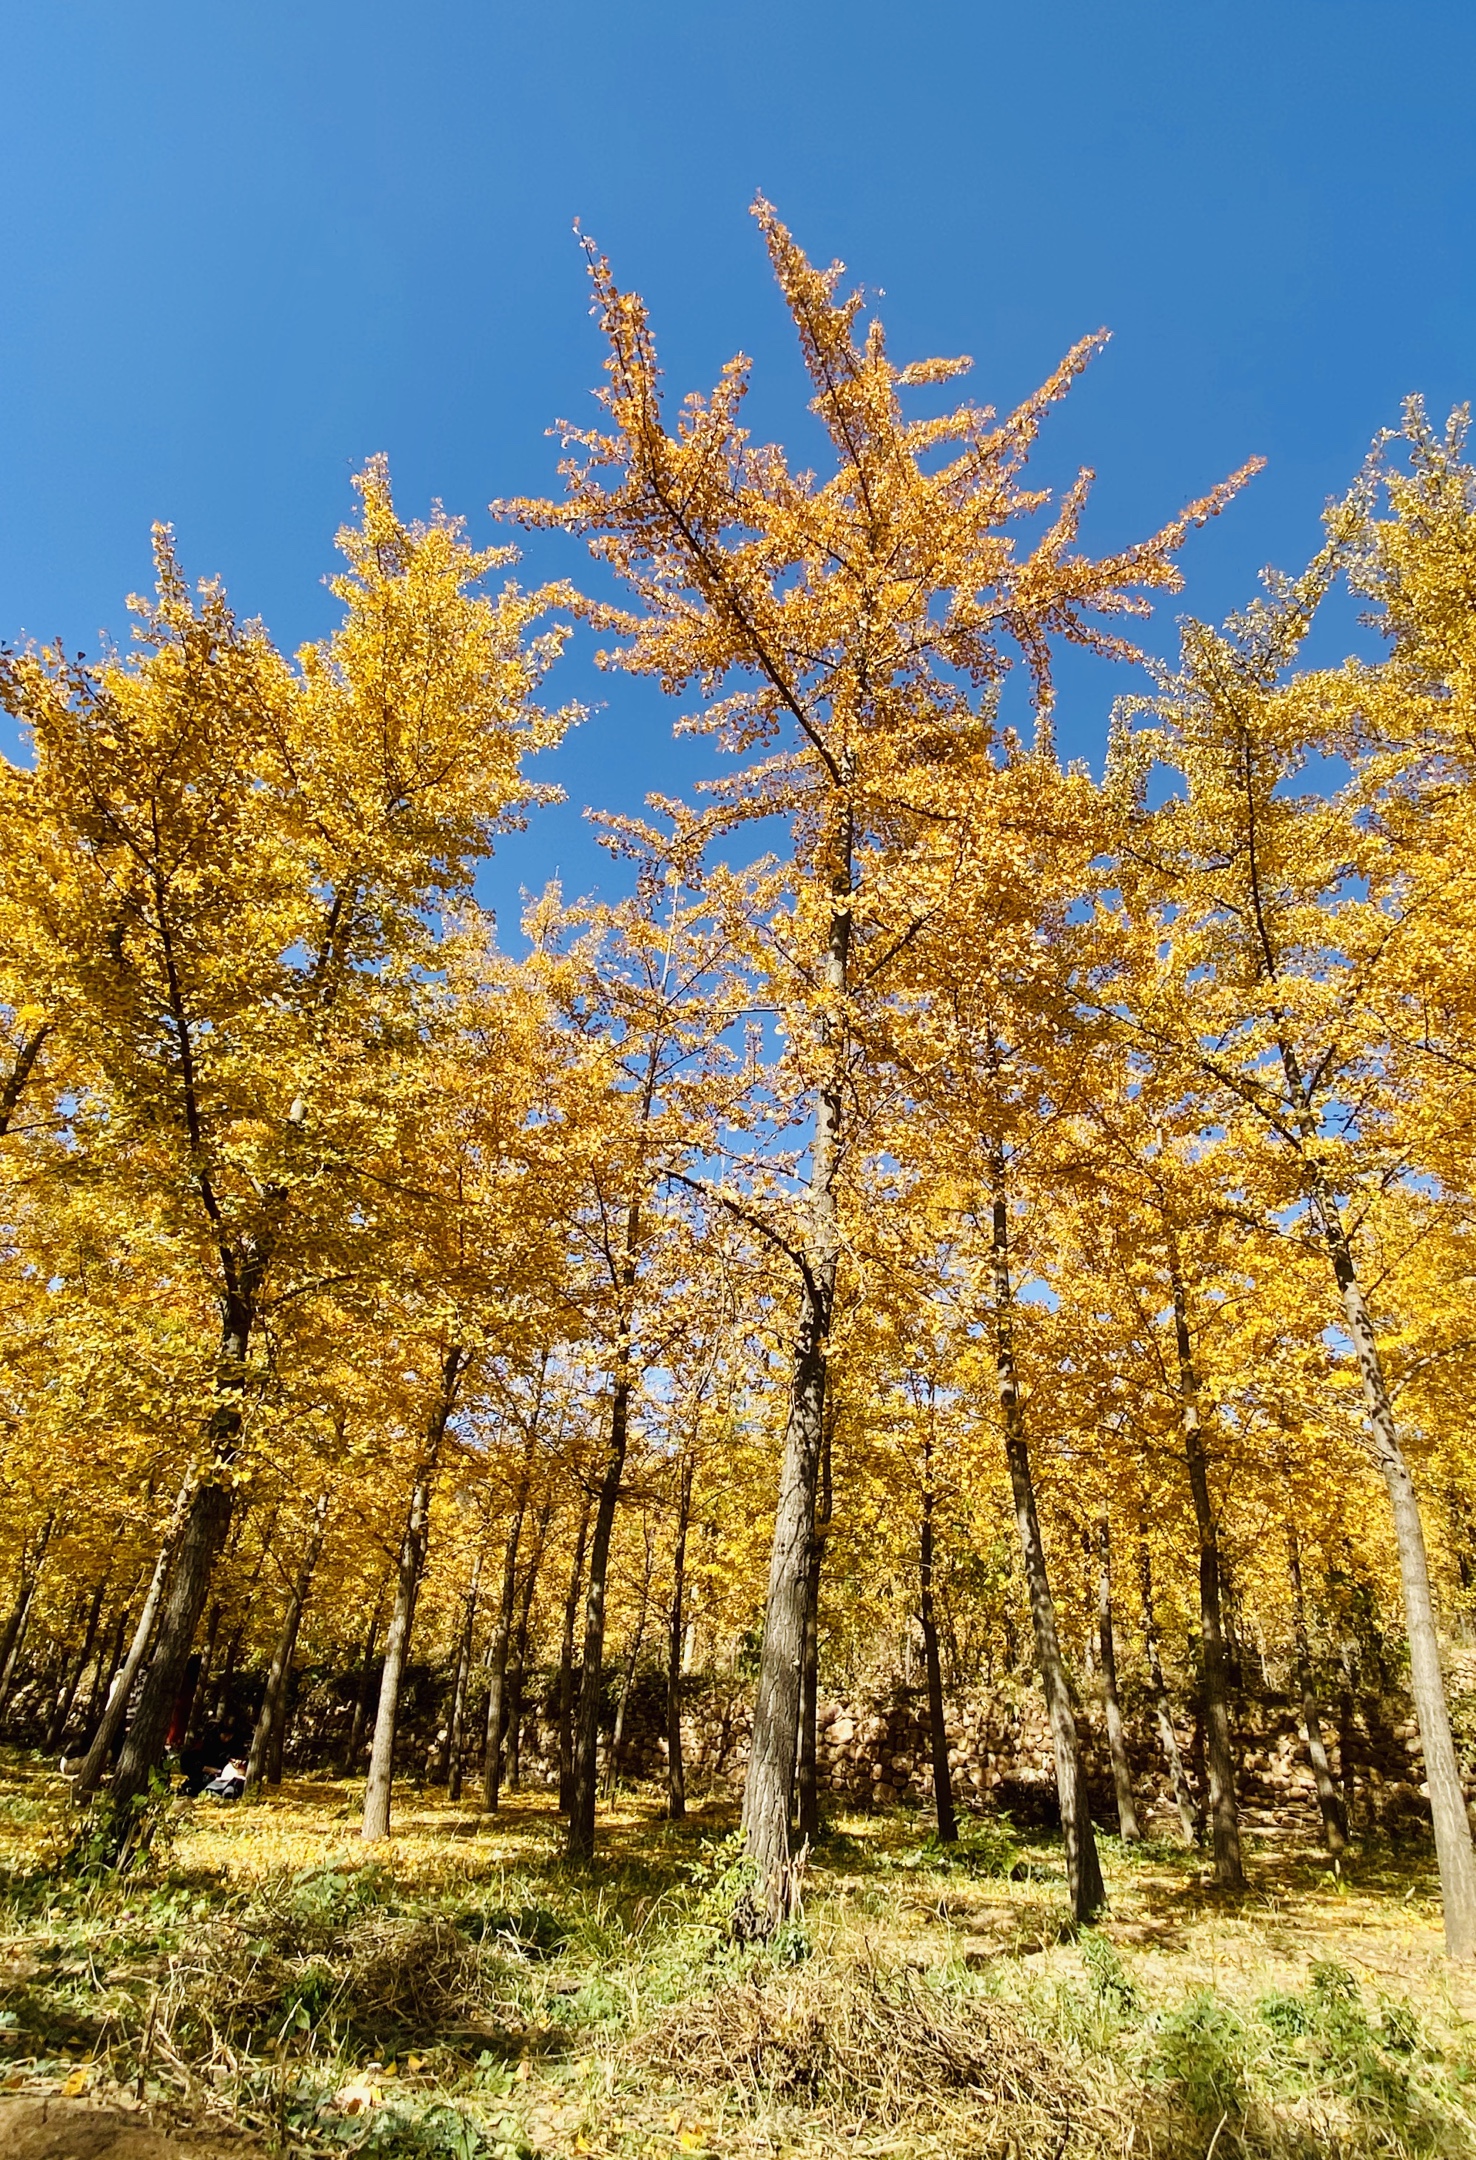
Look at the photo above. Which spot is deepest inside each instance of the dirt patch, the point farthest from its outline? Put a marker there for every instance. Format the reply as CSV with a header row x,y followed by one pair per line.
x,y
53,2129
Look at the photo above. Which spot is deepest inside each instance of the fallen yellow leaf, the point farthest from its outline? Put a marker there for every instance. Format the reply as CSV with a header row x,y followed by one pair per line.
x,y
76,2083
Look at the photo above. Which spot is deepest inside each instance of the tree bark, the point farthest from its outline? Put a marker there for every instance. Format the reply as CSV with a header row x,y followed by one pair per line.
x,y
807,1778
1223,1812
676,1776
585,1781
13,1640
1453,1849
612,1767
776,1708
518,1676
456,1722
413,1547
566,1662
1183,1797
1083,1868
265,1758
367,1691
68,1693
1122,1775
95,1762
497,1651
206,1526
937,1720
1334,1824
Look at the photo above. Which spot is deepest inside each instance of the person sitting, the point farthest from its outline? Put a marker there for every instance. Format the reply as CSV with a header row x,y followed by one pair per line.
x,y
207,1759
229,1782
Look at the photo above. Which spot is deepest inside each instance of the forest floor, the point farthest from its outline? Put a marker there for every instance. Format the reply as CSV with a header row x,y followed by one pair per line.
x,y
262,1982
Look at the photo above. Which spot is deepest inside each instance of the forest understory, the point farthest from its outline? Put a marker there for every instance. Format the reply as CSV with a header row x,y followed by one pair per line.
x,y
258,1981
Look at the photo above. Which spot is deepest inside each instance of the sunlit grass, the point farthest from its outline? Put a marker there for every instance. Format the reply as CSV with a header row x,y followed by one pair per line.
x,y
461,1990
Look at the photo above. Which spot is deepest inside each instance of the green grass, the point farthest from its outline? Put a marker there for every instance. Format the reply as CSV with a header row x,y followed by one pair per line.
x,y
465,1992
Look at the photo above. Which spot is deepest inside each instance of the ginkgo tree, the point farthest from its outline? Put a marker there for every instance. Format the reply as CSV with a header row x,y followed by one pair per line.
x,y
860,628
230,872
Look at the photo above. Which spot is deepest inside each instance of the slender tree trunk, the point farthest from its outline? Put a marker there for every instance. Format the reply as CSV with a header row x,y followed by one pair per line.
x,y
808,1775
676,1777
1183,1797
457,1720
612,1767
937,1721
581,1832
107,1666
497,1651
367,1690
265,1758
776,1708
207,1668
1453,1848
1122,1775
68,1693
1223,1812
518,1676
1334,1824
1083,1868
104,1739
402,1620
13,1640
566,1662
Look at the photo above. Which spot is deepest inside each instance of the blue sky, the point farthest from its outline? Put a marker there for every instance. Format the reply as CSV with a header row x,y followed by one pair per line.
x,y
244,247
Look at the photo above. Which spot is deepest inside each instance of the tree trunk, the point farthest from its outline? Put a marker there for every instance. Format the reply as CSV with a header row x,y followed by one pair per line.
x,y
1334,1825
1453,1849
676,1777
584,1784
807,1779
937,1721
518,1676
20,1614
776,1708
612,1767
402,1620
566,1662
455,1725
367,1691
68,1694
497,1651
107,1665
1223,1813
265,1758
1122,1775
95,1762
1183,1797
206,1526
1083,1868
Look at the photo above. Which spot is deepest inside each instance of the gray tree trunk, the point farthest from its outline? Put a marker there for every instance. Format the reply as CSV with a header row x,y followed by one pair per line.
x,y
1183,1796
676,1776
1083,1867
455,1724
1122,1774
1334,1824
497,1650
413,1548
265,1758
1224,1814
776,1708
943,1808
566,1661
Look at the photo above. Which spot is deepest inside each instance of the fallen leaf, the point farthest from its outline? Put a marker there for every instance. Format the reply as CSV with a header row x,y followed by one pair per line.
x,y
76,2083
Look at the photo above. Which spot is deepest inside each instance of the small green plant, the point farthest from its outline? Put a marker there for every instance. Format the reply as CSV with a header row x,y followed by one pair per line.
x,y
1200,2051
1109,1976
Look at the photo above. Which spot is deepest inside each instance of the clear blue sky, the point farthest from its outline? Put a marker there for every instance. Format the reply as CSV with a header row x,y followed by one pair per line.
x,y
245,246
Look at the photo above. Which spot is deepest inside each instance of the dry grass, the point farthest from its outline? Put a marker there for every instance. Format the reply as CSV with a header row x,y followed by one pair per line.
x,y
461,1994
